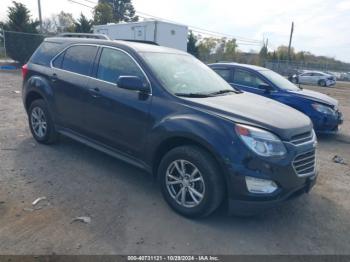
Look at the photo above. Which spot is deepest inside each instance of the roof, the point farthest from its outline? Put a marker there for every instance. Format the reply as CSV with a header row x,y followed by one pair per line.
x,y
257,68
138,47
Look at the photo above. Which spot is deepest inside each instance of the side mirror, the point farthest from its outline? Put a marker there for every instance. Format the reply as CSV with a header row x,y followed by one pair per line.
x,y
133,83
267,88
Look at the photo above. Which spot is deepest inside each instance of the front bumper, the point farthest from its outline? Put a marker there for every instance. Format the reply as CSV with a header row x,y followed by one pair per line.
x,y
331,82
253,207
292,176
328,123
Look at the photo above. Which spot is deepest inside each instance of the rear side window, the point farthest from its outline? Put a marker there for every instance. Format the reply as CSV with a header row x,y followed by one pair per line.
x,y
115,63
46,51
79,59
58,61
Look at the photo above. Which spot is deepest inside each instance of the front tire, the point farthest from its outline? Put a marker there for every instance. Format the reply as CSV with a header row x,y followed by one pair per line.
x,y
41,124
322,83
191,182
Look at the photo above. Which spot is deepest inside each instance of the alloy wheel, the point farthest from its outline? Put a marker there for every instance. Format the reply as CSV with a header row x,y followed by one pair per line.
x,y
185,183
38,121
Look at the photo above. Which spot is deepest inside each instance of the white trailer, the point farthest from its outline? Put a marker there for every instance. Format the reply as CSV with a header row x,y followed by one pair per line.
x,y
162,33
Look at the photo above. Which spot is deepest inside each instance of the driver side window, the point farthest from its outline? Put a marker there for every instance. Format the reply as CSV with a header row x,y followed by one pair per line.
x,y
243,77
114,63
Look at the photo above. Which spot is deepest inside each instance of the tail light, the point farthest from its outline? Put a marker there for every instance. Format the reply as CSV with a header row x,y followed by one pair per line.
x,y
24,71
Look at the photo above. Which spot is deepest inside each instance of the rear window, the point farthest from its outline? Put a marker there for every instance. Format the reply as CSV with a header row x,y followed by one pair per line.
x,y
45,52
79,59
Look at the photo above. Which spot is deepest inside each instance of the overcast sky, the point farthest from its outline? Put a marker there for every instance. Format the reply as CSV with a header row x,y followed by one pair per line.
x,y
321,26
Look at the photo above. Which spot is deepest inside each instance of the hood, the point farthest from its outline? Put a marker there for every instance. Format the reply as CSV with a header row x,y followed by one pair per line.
x,y
316,96
251,109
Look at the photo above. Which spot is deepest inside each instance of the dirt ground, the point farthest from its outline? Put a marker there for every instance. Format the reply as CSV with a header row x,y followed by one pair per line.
x,y
128,214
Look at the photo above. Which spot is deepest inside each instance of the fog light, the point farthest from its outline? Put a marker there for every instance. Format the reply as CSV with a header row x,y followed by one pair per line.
x,y
260,186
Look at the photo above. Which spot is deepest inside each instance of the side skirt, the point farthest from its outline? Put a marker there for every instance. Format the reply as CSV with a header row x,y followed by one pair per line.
x,y
104,149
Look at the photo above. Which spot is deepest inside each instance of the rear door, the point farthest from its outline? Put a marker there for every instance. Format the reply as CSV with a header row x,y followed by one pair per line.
x,y
114,116
305,78
69,80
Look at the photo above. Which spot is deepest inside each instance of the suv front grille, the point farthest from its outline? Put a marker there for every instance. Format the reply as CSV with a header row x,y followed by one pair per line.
x,y
302,138
305,164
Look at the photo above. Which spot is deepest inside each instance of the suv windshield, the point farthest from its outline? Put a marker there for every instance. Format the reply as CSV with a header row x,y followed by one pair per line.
x,y
279,80
183,75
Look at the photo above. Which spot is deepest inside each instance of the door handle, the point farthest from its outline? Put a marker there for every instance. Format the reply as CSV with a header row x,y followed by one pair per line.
x,y
94,92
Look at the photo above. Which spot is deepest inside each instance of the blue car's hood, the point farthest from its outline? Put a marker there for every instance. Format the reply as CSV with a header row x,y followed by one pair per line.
x,y
316,96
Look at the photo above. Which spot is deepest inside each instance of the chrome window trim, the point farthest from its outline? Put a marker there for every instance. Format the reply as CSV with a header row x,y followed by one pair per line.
x,y
94,78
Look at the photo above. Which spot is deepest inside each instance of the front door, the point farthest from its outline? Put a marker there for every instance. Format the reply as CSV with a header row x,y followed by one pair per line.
x,y
114,116
249,82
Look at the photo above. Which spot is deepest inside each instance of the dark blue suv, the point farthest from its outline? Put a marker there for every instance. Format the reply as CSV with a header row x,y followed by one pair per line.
x,y
164,111
322,109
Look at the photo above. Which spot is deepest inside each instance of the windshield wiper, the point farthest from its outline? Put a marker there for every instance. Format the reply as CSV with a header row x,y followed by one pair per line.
x,y
225,91
194,95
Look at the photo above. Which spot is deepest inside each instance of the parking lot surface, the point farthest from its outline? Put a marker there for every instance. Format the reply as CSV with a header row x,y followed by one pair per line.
x,y
128,214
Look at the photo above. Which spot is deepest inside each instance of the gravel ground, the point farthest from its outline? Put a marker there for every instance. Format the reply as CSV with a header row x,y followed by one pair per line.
x,y
128,215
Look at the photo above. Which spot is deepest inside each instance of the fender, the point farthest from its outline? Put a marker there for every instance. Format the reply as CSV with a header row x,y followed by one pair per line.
x,y
38,85
212,133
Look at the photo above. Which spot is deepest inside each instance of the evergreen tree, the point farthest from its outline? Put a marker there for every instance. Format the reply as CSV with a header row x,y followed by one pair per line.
x,y
123,10
83,25
192,47
22,36
19,20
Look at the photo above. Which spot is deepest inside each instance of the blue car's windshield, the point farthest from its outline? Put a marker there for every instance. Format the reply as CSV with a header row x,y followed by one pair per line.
x,y
184,74
279,80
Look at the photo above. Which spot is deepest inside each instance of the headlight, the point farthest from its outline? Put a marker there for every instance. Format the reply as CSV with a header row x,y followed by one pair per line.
x,y
260,141
323,109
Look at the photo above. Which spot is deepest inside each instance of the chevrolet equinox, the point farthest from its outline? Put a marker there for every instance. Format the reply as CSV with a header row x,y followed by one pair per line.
x,y
166,112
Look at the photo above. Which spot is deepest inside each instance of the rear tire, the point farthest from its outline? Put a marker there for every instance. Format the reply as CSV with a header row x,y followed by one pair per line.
x,y
41,123
191,172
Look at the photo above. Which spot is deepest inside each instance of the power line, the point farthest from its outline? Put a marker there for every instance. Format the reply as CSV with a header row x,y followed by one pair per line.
x,y
92,2
79,3
240,40
204,30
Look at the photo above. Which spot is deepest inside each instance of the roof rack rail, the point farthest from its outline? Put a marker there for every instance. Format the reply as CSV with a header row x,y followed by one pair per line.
x,y
140,41
85,35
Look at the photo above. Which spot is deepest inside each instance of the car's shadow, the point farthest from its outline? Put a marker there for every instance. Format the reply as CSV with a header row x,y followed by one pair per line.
x,y
80,180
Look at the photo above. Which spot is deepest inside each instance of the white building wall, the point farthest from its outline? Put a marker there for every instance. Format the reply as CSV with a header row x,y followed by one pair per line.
x,y
163,33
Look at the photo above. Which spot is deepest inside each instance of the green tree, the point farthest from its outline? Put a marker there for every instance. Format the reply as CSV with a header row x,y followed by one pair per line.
x,y
123,10
83,25
206,48
192,47
103,14
64,22
21,33
230,50
18,19
263,52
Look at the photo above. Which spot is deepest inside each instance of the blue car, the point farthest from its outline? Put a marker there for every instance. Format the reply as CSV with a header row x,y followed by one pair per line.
x,y
322,109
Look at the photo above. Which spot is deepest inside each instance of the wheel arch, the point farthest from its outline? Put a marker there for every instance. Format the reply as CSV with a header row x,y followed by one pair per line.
x,y
32,96
177,141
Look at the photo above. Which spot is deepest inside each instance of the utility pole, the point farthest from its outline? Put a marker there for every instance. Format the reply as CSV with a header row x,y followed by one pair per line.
x,y
40,18
290,40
